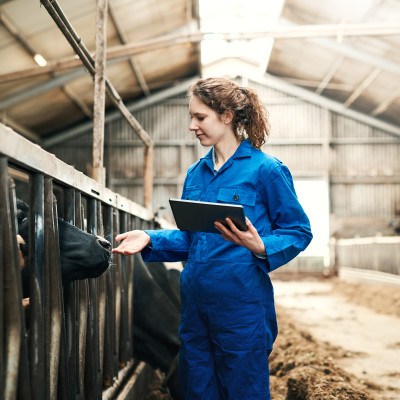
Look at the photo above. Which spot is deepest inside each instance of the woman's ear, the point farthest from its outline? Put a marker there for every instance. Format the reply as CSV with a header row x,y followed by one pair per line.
x,y
227,117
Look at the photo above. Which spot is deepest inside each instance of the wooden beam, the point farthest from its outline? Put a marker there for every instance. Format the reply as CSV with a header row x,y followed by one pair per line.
x,y
13,31
367,82
113,115
22,130
328,76
281,32
148,177
304,94
98,171
76,43
32,157
385,104
132,61
78,102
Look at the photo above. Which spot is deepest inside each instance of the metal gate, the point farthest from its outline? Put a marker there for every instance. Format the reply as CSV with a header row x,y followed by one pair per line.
x,y
79,342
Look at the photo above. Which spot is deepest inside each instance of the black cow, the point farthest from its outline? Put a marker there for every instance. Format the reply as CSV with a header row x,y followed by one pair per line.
x,y
156,319
82,255
156,312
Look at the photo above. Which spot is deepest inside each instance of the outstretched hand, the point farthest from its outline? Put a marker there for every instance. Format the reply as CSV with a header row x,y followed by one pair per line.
x,y
249,239
133,242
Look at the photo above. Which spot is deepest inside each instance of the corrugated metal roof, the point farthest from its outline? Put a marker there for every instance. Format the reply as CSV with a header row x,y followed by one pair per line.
x,y
345,50
41,104
359,70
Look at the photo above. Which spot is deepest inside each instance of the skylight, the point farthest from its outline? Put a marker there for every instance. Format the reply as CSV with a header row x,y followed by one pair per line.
x,y
225,16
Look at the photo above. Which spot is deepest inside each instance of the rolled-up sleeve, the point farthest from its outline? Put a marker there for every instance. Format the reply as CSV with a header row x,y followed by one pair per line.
x,y
290,226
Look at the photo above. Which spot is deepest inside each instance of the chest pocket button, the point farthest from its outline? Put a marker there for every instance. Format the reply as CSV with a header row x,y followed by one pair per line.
x,y
236,197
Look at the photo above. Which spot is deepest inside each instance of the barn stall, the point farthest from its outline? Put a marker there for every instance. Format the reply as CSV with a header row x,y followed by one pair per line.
x,y
80,341
333,123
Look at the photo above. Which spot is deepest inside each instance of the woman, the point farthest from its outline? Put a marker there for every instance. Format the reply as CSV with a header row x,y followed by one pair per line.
x,y
228,321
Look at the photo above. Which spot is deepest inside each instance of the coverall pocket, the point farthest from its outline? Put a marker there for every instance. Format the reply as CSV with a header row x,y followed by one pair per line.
x,y
249,280
241,196
192,193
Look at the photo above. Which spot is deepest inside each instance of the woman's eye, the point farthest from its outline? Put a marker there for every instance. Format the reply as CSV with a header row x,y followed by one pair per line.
x,y
200,118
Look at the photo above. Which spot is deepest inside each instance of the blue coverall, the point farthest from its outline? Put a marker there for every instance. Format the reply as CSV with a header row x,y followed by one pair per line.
x,y
228,320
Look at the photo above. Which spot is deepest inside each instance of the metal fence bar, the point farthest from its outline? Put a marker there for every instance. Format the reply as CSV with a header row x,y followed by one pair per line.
x,y
371,253
110,369
80,355
36,253
82,312
117,291
124,351
54,316
92,383
11,318
71,301
102,293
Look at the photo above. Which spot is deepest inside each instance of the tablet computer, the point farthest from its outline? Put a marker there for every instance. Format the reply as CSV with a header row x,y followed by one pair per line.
x,y
199,216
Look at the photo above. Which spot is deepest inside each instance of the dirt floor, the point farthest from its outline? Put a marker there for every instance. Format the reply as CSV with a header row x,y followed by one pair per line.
x,y
325,348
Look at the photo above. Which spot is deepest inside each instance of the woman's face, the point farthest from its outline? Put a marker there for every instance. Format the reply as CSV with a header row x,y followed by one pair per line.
x,y
208,126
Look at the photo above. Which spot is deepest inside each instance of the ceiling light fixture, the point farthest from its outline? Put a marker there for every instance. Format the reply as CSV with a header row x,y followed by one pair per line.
x,y
40,60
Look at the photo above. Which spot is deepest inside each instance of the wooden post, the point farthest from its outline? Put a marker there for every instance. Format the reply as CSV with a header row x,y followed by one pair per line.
x,y
148,177
98,171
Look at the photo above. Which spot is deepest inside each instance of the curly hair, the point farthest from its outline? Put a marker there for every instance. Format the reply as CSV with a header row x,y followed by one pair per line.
x,y
250,117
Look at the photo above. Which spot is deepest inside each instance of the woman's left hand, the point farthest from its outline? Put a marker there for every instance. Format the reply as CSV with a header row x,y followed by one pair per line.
x,y
249,239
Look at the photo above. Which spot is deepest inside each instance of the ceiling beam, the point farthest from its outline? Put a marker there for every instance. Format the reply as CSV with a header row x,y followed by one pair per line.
x,y
316,84
40,88
115,53
385,104
77,101
132,61
22,130
281,32
111,116
351,52
329,75
33,52
309,31
13,31
367,82
279,84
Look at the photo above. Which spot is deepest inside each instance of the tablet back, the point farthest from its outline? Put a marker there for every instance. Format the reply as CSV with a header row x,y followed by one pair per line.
x,y
200,216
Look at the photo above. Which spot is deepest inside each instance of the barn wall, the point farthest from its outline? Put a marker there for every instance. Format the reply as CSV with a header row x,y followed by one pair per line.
x,y
360,163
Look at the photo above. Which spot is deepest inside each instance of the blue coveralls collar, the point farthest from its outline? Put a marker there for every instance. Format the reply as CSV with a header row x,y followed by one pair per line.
x,y
244,150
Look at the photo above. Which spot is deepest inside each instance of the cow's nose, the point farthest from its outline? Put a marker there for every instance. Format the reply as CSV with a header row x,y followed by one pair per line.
x,y
104,243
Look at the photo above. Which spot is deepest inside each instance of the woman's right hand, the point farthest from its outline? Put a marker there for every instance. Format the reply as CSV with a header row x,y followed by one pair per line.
x,y
133,242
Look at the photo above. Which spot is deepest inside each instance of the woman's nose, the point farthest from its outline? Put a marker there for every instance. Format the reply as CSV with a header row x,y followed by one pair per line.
x,y
192,126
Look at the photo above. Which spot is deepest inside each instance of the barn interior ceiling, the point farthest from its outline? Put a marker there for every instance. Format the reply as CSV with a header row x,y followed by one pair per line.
x,y
344,50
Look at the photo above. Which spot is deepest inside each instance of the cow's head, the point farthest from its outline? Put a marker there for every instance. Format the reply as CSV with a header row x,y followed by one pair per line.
x,y
82,255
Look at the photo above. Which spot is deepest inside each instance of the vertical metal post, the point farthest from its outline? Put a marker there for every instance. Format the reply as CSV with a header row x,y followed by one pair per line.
x,y
83,291
11,325
92,384
101,293
124,339
71,307
110,361
36,254
117,289
56,360
24,384
98,171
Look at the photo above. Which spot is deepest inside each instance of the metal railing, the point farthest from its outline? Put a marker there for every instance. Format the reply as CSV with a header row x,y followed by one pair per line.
x,y
79,339
370,258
